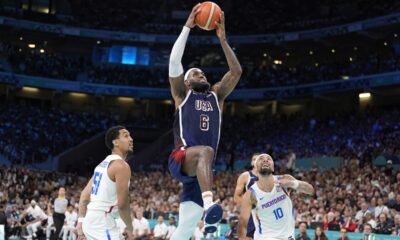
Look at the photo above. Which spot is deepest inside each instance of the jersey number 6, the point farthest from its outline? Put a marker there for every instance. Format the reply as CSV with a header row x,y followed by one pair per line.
x,y
204,122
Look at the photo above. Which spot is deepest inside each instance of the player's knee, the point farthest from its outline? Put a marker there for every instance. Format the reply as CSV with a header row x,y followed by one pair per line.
x,y
207,152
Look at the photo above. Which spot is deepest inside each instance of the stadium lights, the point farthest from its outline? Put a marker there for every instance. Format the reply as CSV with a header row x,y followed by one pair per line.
x,y
311,52
287,54
98,42
395,35
21,38
265,54
364,95
350,59
316,64
277,62
333,50
79,95
385,43
30,89
125,99
355,48
41,50
31,45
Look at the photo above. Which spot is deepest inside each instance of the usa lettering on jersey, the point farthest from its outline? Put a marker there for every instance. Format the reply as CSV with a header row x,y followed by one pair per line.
x,y
204,106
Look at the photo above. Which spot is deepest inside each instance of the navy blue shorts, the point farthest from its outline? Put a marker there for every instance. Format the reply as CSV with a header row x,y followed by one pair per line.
x,y
191,188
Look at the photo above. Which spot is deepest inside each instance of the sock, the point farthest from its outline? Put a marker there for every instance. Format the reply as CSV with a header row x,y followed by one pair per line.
x,y
207,199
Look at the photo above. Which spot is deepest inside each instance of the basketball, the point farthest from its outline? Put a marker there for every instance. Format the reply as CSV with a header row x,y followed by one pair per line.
x,y
209,13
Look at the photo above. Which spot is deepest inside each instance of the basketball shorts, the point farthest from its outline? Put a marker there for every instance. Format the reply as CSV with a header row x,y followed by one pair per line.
x,y
100,225
191,188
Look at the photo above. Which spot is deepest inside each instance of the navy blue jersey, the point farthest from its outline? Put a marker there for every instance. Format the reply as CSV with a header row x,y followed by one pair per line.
x,y
198,121
252,179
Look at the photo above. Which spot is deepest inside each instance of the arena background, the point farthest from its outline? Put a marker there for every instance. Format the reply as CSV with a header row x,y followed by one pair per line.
x,y
321,84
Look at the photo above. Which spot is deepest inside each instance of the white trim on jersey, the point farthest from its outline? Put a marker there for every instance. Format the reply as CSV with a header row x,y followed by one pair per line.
x,y
180,117
248,181
220,120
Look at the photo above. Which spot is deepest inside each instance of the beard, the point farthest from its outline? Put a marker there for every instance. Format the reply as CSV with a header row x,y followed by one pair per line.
x,y
200,86
265,171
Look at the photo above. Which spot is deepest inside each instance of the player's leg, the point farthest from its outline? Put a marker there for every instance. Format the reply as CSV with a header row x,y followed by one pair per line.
x,y
198,162
190,214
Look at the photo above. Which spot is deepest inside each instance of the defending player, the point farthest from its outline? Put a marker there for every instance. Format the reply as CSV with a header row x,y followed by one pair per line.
x,y
106,196
244,182
269,203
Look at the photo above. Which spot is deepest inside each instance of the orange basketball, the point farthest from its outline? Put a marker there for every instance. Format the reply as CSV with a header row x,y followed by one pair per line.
x,y
209,14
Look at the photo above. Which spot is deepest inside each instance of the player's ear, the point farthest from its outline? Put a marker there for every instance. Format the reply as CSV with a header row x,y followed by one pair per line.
x,y
186,82
115,142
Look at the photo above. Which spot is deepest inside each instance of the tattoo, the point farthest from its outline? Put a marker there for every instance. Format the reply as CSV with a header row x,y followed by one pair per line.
x,y
253,200
83,207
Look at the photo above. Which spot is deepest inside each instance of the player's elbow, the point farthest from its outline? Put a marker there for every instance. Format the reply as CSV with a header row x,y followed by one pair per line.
x,y
237,71
123,205
311,190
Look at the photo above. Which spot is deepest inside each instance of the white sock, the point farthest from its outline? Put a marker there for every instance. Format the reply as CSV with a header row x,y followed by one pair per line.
x,y
190,215
207,199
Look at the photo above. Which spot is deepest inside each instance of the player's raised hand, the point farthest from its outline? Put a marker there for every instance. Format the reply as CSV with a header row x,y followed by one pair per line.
x,y
79,231
190,23
221,27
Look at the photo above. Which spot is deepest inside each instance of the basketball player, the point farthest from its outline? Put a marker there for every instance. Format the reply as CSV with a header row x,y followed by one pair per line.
x,y
244,182
106,197
269,204
196,130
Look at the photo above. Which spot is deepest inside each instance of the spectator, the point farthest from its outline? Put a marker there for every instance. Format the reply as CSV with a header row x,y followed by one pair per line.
x,y
383,226
141,226
36,215
171,227
343,234
71,218
302,232
380,208
363,212
367,233
320,234
160,230
348,222
369,218
396,228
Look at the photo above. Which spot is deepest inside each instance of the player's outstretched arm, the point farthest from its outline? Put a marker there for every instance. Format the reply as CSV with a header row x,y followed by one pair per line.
x,y
83,202
248,201
122,172
224,87
178,88
289,181
240,185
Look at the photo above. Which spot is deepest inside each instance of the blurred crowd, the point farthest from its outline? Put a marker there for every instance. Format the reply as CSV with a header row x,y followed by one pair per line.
x,y
260,72
349,134
346,198
166,17
30,134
